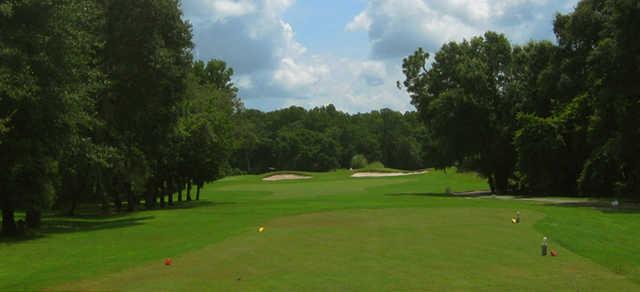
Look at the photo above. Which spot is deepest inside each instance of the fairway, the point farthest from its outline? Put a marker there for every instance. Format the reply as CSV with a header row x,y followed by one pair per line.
x,y
334,232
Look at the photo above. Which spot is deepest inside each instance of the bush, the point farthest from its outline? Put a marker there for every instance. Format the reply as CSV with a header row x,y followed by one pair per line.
x,y
376,165
358,161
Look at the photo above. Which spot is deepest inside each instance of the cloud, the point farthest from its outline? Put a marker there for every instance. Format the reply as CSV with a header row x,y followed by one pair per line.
x,y
291,75
360,22
397,27
227,8
274,70
249,35
353,85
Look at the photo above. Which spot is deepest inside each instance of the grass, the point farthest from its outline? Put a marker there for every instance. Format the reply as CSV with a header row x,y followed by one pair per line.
x,y
334,233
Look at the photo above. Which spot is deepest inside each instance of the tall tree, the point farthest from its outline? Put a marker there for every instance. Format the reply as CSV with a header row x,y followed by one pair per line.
x,y
601,43
464,102
47,53
146,59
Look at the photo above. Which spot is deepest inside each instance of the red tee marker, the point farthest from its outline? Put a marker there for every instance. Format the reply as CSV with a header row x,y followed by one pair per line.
x,y
167,262
554,253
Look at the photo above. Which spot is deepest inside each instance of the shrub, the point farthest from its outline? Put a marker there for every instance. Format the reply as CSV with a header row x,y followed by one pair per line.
x,y
358,161
376,165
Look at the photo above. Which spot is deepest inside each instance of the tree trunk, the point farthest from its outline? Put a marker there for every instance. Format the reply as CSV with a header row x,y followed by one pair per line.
x,y
74,204
189,191
248,161
105,203
198,192
8,220
131,200
180,194
116,200
492,184
161,200
501,183
170,197
150,200
33,218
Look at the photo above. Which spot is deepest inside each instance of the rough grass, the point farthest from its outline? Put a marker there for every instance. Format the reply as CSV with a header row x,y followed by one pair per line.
x,y
334,233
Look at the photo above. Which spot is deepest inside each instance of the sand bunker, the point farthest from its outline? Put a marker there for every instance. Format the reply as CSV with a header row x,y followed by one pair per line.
x,y
385,174
277,177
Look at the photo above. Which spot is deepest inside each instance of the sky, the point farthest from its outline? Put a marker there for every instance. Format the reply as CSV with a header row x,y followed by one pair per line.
x,y
347,52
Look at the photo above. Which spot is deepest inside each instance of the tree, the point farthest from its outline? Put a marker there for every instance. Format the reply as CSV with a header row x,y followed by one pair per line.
x,y
464,102
205,128
146,59
46,52
599,42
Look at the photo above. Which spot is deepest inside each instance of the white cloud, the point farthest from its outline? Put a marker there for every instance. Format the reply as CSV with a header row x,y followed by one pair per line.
x,y
250,35
243,81
353,85
291,75
273,69
398,27
228,8
360,22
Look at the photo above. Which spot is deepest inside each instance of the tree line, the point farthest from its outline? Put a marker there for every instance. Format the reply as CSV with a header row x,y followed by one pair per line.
x,y
543,117
324,138
101,101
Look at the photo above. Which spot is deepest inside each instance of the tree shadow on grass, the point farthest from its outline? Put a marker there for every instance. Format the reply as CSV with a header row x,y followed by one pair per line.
x,y
195,204
57,225
93,219
628,207
66,225
95,212
625,207
444,195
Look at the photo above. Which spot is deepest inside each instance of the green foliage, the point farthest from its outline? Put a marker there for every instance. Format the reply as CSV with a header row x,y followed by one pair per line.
x,y
463,100
47,79
358,161
556,118
375,164
389,136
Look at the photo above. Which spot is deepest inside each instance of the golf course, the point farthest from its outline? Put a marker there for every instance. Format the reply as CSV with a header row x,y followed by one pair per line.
x,y
334,232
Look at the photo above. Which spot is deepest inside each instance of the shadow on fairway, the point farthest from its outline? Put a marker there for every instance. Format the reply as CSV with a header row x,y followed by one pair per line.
x,y
92,219
444,195
94,212
602,206
195,204
71,224
64,225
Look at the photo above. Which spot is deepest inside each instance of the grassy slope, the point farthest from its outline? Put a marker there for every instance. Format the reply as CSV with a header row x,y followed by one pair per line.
x,y
214,228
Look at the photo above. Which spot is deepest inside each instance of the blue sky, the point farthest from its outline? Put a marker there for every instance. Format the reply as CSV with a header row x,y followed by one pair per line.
x,y
320,26
348,53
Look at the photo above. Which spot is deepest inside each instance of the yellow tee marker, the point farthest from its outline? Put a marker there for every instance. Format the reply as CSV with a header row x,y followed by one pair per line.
x,y
260,229
513,220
